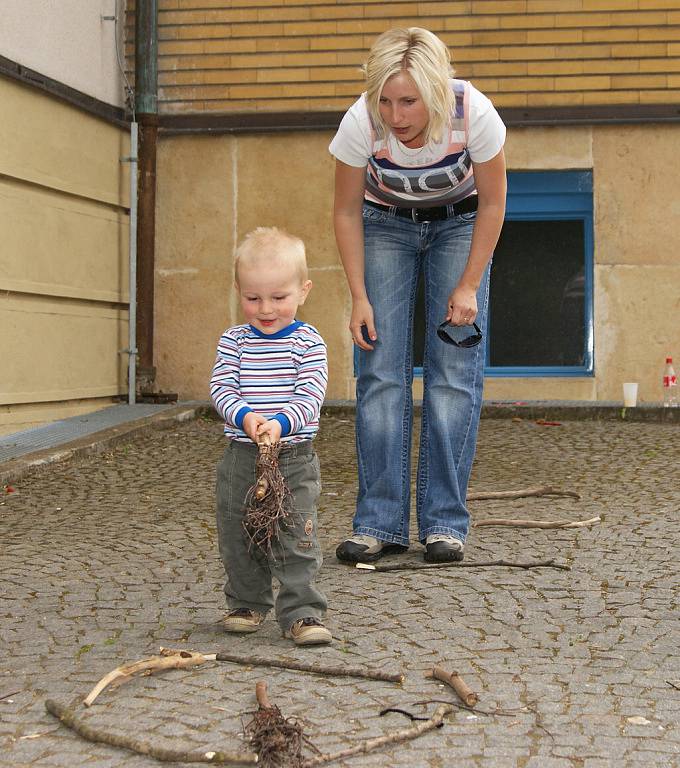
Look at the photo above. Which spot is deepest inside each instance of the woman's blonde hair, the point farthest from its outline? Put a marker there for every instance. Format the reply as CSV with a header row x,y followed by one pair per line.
x,y
425,57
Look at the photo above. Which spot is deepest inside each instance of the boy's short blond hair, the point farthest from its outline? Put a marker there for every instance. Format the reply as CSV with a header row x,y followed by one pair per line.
x,y
266,246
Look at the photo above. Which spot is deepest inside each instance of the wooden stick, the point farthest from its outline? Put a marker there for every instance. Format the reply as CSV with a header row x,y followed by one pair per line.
x,y
89,733
541,490
464,564
518,523
370,744
262,696
465,694
168,660
317,669
7,695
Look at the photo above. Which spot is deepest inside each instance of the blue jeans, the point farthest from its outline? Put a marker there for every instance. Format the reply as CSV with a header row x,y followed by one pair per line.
x,y
396,251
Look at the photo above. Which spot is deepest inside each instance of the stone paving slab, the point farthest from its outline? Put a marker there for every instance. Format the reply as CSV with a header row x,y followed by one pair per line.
x,y
107,556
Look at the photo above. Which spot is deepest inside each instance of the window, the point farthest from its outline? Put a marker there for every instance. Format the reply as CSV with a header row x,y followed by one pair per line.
x,y
540,307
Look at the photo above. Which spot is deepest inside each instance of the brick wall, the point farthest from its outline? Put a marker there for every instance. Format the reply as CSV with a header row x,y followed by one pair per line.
x,y
290,55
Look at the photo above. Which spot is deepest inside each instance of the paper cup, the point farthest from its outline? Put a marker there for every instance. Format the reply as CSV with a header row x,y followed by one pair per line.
x,y
630,391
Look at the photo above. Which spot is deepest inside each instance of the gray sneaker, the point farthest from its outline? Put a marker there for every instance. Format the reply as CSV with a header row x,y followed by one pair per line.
x,y
360,548
440,548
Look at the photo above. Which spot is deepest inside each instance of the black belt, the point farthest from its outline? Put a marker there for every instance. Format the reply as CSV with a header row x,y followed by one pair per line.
x,y
438,213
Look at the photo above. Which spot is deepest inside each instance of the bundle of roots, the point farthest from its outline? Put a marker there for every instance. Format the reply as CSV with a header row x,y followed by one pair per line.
x,y
277,739
268,502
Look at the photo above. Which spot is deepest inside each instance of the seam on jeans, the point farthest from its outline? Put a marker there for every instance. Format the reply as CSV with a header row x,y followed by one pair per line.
x,y
478,370
407,422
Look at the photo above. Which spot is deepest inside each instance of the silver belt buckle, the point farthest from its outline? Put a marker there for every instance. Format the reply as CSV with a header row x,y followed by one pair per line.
x,y
414,216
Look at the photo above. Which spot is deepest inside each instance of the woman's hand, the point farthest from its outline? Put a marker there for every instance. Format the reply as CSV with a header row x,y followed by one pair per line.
x,y
362,317
462,306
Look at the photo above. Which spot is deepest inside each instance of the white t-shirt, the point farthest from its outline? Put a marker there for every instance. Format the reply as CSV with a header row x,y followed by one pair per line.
x,y
438,173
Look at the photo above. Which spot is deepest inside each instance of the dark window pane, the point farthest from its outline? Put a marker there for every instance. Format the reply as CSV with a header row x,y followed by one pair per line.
x,y
536,314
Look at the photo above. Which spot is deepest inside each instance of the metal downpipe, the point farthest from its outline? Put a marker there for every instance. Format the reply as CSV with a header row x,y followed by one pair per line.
x,y
146,108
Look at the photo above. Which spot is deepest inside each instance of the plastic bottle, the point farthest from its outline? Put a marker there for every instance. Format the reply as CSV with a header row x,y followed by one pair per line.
x,y
670,385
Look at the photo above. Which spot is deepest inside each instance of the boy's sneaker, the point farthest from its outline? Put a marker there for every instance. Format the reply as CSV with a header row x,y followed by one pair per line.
x,y
440,548
309,631
242,620
365,549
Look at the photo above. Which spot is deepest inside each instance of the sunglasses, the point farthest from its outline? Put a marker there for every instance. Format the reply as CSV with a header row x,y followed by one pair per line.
x,y
444,333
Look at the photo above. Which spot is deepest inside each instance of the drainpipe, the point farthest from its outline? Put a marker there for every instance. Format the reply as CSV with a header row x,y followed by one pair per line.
x,y
146,109
132,321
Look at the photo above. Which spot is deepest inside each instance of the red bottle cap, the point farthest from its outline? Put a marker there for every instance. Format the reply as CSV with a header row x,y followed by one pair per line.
x,y
669,359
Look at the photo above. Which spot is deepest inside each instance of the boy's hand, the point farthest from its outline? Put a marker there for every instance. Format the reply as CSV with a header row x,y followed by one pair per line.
x,y
272,428
251,422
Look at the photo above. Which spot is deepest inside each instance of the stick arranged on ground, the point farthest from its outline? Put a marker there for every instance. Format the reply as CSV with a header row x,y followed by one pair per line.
x,y
541,490
168,659
462,564
276,739
369,745
317,669
88,732
269,502
537,523
465,694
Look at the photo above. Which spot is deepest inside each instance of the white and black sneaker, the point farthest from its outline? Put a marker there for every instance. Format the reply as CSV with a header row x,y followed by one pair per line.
x,y
365,549
440,548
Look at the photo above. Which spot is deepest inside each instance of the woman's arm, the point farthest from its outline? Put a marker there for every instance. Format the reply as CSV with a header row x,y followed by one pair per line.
x,y
349,235
491,184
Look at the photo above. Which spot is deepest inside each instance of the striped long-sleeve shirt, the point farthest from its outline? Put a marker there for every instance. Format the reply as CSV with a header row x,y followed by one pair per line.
x,y
281,376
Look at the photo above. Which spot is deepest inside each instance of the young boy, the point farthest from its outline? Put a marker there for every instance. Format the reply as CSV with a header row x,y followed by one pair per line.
x,y
270,379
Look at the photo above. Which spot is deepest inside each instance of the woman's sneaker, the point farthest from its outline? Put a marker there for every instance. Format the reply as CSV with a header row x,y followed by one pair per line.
x,y
309,631
440,548
242,620
365,549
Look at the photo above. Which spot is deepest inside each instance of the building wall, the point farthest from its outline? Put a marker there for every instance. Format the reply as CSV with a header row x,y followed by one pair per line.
x,y
63,199
68,41
269,55
213,189
63,263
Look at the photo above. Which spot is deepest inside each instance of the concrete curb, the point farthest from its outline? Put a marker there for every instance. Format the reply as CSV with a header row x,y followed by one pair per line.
x,y
98,442
548,410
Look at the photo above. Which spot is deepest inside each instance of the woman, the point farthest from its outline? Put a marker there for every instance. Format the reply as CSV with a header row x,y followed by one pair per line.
x,y
420,185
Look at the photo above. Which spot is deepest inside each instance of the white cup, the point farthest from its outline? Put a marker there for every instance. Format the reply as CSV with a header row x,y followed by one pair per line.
x,y
630,391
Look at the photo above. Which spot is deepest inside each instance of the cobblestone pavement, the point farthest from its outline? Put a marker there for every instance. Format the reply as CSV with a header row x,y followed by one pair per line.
x,y
107,557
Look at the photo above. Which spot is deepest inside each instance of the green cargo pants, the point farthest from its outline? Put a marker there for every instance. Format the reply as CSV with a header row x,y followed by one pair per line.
x,y
296,556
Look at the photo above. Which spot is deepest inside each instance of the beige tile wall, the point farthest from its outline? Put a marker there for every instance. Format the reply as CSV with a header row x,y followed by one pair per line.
x,y
63,261
213,190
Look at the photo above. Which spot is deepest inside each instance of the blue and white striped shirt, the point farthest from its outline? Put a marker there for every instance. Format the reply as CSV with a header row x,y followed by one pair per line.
x,y
281,375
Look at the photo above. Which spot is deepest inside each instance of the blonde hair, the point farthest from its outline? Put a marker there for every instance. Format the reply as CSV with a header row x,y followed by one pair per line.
x,y
425,57
267,246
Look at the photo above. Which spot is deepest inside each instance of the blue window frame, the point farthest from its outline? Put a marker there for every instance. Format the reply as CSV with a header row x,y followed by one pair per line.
x,y
542,278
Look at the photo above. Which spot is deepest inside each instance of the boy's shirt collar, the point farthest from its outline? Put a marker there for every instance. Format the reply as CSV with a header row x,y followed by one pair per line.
x,y
279,334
